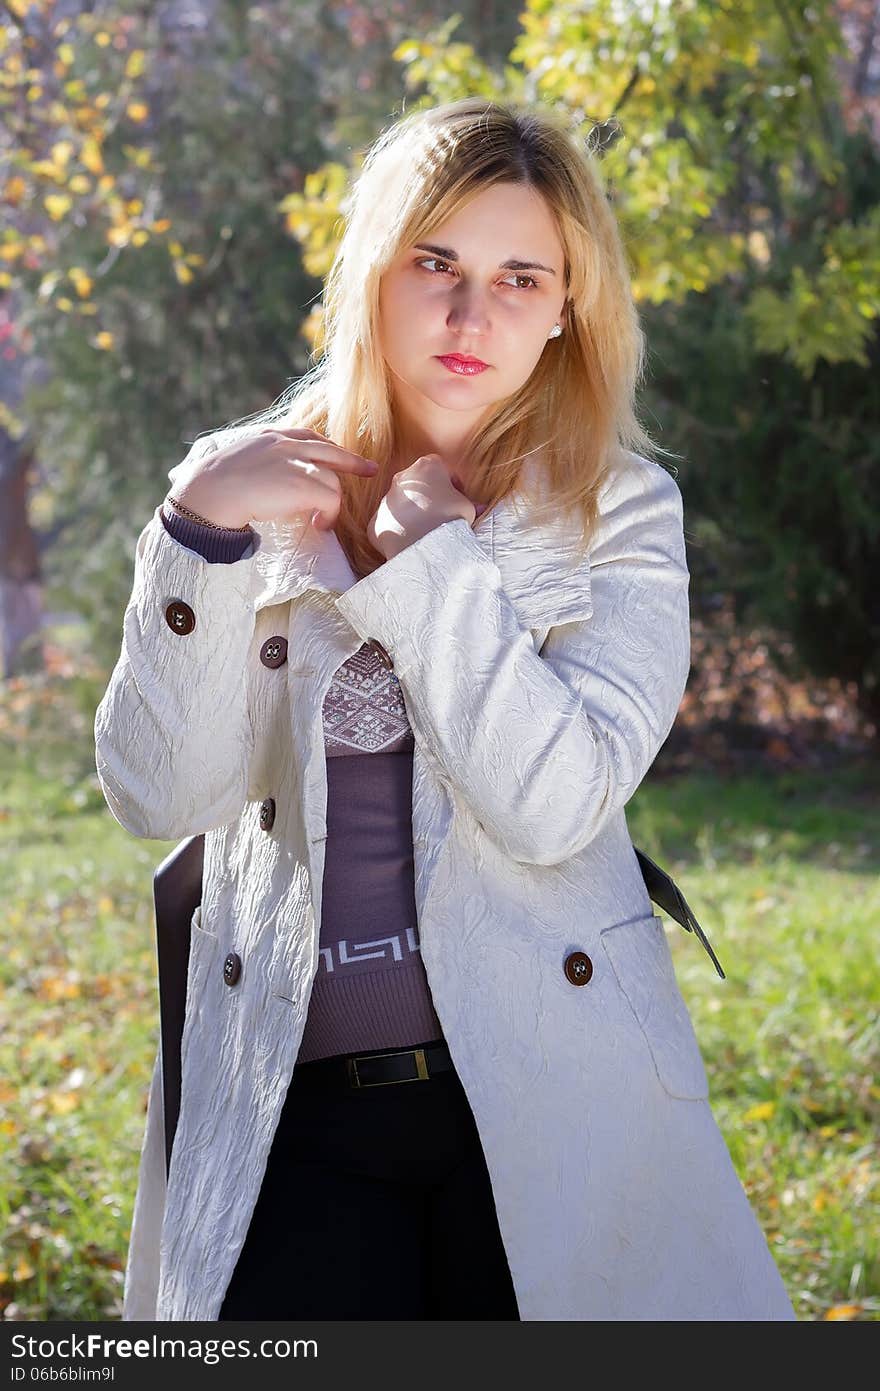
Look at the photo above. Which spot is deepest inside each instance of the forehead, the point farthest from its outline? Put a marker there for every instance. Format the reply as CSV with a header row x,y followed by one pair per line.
x,y
513,220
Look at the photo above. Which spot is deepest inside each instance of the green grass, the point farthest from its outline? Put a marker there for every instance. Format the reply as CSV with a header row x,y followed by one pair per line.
x,y
781,871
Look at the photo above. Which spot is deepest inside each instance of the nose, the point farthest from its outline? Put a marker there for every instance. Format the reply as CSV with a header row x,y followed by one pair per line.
x,y
467,313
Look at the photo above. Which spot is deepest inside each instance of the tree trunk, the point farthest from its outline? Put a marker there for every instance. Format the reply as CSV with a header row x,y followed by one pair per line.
x,y
21,588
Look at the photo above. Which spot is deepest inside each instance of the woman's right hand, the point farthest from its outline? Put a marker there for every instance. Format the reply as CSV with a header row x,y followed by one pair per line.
x,y
277,473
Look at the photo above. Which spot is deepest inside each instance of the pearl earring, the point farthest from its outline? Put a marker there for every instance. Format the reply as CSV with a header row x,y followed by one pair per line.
x,y
555,331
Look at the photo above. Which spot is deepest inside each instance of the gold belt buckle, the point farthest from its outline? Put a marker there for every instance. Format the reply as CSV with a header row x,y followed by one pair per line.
x,y
422,1073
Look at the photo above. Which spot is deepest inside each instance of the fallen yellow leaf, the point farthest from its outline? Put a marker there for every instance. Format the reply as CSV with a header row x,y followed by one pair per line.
x,y
63,1103
762,1112
844,1311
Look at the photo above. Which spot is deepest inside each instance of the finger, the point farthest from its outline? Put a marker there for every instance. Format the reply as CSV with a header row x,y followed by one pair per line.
x,y
323,492
333,456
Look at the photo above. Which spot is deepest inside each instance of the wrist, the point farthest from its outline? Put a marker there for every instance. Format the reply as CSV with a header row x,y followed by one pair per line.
x,y
205,504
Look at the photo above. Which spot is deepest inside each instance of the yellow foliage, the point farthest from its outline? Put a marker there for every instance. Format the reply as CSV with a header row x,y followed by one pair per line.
x,y
14,190
135,63
102,38
104,339
56,205
90,155
23,1270
137,111
47,169
142,158
83,286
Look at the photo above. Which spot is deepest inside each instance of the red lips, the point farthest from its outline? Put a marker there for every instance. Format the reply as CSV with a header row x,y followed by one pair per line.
x,y
463,366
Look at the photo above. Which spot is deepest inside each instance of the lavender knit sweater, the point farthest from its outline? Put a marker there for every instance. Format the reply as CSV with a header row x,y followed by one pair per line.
x,y
370,990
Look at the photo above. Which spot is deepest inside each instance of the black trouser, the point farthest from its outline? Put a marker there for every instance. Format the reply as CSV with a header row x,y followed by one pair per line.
x,y
375,1204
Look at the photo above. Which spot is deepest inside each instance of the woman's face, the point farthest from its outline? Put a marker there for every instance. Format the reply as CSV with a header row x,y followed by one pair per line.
x,y
452,293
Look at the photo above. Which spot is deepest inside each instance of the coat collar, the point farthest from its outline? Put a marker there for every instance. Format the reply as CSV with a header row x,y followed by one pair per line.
x,y
541,574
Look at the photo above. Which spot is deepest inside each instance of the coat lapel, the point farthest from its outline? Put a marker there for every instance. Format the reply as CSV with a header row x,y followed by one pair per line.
x,y
542,577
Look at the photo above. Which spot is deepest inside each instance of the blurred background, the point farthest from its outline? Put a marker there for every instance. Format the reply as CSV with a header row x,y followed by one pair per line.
x,y
171,182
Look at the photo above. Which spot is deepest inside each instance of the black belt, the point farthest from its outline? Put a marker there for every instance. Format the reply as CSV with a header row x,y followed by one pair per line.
x,y
377,1069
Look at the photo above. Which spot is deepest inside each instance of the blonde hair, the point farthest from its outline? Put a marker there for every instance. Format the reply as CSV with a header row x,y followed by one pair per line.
x,y
578,405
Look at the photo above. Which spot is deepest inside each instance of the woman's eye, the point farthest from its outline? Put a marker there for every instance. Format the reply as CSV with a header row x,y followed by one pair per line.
x,y
434,260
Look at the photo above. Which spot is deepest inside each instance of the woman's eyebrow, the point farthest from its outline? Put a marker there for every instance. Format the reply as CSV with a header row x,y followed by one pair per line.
x,y
449,255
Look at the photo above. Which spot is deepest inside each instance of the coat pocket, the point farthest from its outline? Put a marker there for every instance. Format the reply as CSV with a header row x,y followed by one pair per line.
x,y
642,962
202,949
196,922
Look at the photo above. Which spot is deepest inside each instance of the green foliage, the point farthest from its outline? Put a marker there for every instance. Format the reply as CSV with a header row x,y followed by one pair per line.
x,y
829,314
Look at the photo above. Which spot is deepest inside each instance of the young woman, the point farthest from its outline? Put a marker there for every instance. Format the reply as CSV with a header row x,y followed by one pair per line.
x,y
403,649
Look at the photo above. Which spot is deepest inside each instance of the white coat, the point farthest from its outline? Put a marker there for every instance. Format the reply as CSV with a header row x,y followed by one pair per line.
x,y
539,690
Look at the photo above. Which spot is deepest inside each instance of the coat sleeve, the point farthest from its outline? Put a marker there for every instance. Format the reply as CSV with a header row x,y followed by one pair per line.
x,y
543,747
173,737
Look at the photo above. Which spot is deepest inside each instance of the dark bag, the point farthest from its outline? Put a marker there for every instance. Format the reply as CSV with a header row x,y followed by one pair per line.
x,y
177,892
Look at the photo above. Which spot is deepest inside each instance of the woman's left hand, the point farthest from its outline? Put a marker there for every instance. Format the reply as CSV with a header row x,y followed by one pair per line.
x,y
420,498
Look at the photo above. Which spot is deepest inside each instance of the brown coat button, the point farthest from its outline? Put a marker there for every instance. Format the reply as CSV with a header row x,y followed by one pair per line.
x,y
578,967
267,814
273,653
381,654
180,617
232,968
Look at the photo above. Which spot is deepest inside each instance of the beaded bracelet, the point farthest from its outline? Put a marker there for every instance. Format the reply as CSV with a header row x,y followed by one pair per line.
x,y
203,521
